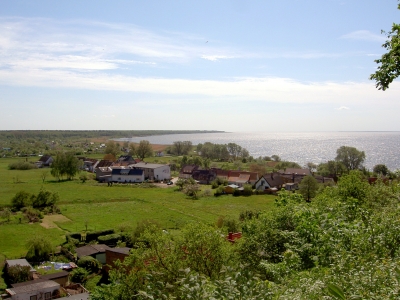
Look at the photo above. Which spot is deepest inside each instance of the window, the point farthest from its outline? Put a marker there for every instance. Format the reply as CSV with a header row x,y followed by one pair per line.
x,y
47,295
33,297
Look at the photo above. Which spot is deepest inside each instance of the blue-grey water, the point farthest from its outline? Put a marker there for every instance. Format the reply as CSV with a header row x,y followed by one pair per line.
x,y
300,147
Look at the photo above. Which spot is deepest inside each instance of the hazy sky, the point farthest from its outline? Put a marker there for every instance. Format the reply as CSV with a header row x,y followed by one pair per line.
x,y
231,65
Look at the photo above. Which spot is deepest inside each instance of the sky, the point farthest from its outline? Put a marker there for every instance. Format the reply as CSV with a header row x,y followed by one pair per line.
x,y
230,65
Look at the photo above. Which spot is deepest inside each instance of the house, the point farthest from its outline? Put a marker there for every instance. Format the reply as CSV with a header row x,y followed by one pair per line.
x,y
296,171
241,178
114,254
154,171
204,176
127,175
269,181
34,290
291,186
90,164
97,251
187,171
60,277
126,158
21,262
237,177
44,161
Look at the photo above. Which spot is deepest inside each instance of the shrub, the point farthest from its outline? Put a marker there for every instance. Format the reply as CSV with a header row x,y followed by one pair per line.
x,y
90,264
79,275
110,239
21,165
219,191
21,199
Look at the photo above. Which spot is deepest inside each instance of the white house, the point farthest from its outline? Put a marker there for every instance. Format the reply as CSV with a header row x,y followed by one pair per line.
x,y
127,175
154,171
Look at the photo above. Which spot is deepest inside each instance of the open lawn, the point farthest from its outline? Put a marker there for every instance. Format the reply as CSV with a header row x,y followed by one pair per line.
x,y
101,207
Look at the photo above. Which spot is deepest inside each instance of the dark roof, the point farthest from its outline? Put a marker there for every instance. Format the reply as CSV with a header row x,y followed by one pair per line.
x,y
125,158
33,285
120,171
55,275
89,250
104,163
188,169
273,180
44,158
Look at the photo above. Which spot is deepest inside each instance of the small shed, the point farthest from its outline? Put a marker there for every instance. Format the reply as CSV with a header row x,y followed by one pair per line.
x,y
21,262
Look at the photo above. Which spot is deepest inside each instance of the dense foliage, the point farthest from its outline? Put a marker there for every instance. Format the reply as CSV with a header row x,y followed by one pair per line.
x,y
344,242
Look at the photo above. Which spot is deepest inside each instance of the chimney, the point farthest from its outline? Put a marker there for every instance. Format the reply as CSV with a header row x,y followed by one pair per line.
x,y
272,176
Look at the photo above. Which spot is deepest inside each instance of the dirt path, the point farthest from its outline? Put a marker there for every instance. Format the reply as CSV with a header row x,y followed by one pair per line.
x,y
48,221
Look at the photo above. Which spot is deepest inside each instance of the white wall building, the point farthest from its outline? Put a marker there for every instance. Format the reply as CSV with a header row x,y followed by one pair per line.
x,y
154,171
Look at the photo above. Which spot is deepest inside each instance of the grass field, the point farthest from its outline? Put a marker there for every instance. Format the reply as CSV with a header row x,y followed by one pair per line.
x,y
101,207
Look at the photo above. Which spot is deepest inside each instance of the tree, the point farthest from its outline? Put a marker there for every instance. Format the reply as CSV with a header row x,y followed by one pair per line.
x,y
132,149
39,249
308,187
311,166
389,68
381,169
112,148
144,149
43,175
276,157
44,198
331,167
350,157
65,164
181,147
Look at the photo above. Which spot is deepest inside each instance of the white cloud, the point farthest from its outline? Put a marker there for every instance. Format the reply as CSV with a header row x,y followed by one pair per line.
x,y
216,57
364,35
343,108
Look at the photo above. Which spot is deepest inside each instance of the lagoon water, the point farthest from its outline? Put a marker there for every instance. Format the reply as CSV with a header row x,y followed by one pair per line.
x,y
300,147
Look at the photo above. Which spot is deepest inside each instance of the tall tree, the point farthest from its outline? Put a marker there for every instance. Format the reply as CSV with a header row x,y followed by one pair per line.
x,y
308,187
350,157
112,148
389,63
144,149
381,169
65,164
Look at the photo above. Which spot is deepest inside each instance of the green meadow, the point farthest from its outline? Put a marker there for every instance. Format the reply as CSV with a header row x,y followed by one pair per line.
x,y
99,206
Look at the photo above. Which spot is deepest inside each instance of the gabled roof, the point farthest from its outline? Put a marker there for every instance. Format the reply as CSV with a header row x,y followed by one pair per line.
x,y
104,163
89,250
189,169
273,180
44,158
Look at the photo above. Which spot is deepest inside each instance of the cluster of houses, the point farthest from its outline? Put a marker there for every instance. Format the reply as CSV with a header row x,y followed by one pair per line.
x,y
130,170
44,287
127,170
288,179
